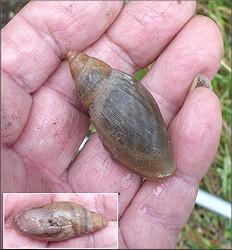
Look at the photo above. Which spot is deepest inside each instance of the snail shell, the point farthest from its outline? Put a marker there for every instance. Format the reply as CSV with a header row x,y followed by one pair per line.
x,y
125,116
58,221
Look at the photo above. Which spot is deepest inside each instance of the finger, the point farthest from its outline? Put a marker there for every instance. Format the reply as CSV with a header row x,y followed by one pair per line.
x,y
103,239
15,203
74,24
15,107
50,29
163,207
196,49
197,129
53,131
94,171
53,124
102,203
17,176
62,83
43,128
14,174
142,30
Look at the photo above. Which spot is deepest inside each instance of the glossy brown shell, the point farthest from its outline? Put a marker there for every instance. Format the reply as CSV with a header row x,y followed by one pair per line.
x,y
125,115
58,221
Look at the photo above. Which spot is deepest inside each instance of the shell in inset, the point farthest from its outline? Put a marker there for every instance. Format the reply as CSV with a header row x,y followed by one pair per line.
x,y
58,221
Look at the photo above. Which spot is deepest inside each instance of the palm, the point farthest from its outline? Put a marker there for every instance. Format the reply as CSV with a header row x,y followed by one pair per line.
x,y
43,122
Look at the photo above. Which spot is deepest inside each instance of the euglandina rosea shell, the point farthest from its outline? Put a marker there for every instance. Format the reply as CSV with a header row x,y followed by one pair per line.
x,y
58,221
125,115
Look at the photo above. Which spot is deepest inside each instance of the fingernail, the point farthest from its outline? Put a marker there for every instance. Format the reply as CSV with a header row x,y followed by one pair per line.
x,y
200,81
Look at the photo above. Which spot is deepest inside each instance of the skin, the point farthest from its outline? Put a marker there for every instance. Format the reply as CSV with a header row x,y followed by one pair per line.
x,y
43,122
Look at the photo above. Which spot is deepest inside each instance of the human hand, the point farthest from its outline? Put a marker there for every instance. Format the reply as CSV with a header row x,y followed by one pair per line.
x,y
104,204
43,122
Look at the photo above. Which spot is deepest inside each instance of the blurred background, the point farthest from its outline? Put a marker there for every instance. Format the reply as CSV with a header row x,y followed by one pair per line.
x,y
205,229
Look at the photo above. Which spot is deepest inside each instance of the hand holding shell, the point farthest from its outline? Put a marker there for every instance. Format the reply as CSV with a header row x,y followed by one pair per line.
x,y
125,115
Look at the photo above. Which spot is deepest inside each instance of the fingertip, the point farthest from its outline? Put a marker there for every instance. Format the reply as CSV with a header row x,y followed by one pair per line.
x,y
209,33
195,132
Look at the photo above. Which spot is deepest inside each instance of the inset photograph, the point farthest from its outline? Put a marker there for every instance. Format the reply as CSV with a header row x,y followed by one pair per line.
x,y
62,220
